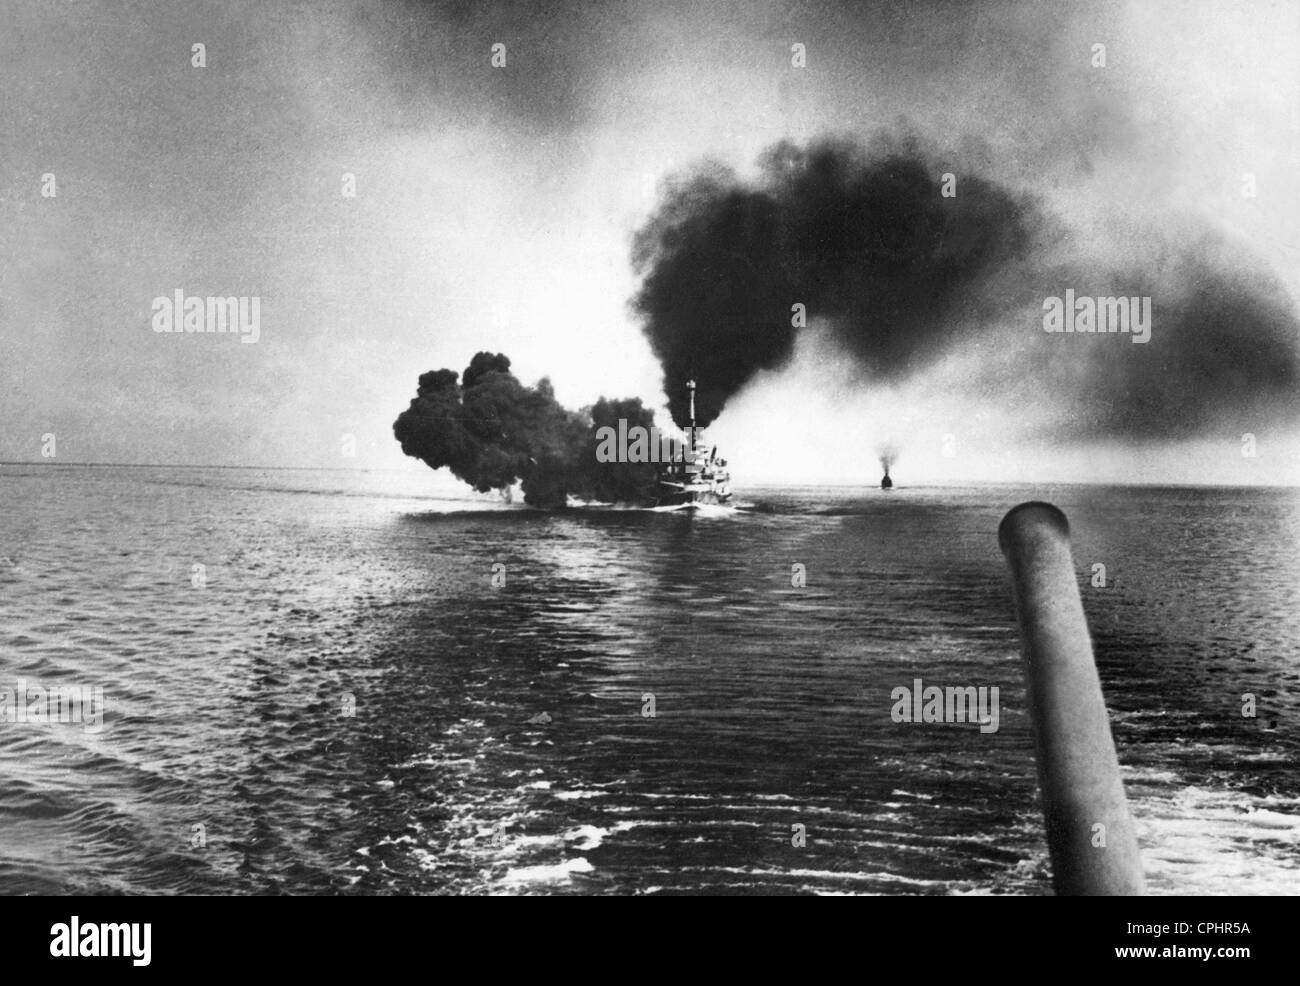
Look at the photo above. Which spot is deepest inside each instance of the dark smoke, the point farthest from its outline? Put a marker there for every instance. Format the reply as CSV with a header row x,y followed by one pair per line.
x,y
861,239
1222,359
492,431
615,482
900,275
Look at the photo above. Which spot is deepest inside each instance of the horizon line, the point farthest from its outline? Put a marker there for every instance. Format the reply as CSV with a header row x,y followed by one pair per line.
x,y
839,485
189,465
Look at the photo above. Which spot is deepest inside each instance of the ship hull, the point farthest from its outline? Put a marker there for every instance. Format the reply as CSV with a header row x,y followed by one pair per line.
x,y
693,498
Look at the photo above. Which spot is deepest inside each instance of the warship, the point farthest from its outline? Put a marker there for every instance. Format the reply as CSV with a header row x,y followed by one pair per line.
x,y
697,477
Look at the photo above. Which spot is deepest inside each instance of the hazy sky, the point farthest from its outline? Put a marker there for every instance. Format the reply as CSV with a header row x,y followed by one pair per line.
x,y
494,208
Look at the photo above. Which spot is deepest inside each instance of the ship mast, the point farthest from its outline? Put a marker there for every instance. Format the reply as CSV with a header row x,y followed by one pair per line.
x,y
691,384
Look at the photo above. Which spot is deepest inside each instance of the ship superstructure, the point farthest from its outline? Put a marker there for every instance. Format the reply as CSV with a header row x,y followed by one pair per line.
x,y
697,477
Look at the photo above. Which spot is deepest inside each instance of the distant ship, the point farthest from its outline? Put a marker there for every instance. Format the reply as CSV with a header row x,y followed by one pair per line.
x,y
886,483
696,479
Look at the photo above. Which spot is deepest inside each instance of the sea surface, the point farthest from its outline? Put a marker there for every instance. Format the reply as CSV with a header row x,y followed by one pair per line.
x,y
334,682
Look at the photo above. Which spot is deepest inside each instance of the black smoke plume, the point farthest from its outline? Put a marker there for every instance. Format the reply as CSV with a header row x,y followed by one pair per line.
x,y
900,275
492,431
860,239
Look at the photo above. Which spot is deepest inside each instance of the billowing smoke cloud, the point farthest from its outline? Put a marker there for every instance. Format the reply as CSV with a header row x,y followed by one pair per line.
x,y
860,239
1224,354
863,240
492,431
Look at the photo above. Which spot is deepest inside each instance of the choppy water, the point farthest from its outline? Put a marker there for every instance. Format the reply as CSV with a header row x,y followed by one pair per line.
x,y
225,700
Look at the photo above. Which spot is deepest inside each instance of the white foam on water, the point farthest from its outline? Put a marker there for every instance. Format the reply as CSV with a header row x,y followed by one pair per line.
x,y
715,510
557,873
590,836
1214,841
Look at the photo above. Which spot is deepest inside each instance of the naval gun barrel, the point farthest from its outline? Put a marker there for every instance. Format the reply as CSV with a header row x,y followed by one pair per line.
x,y
1089,829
